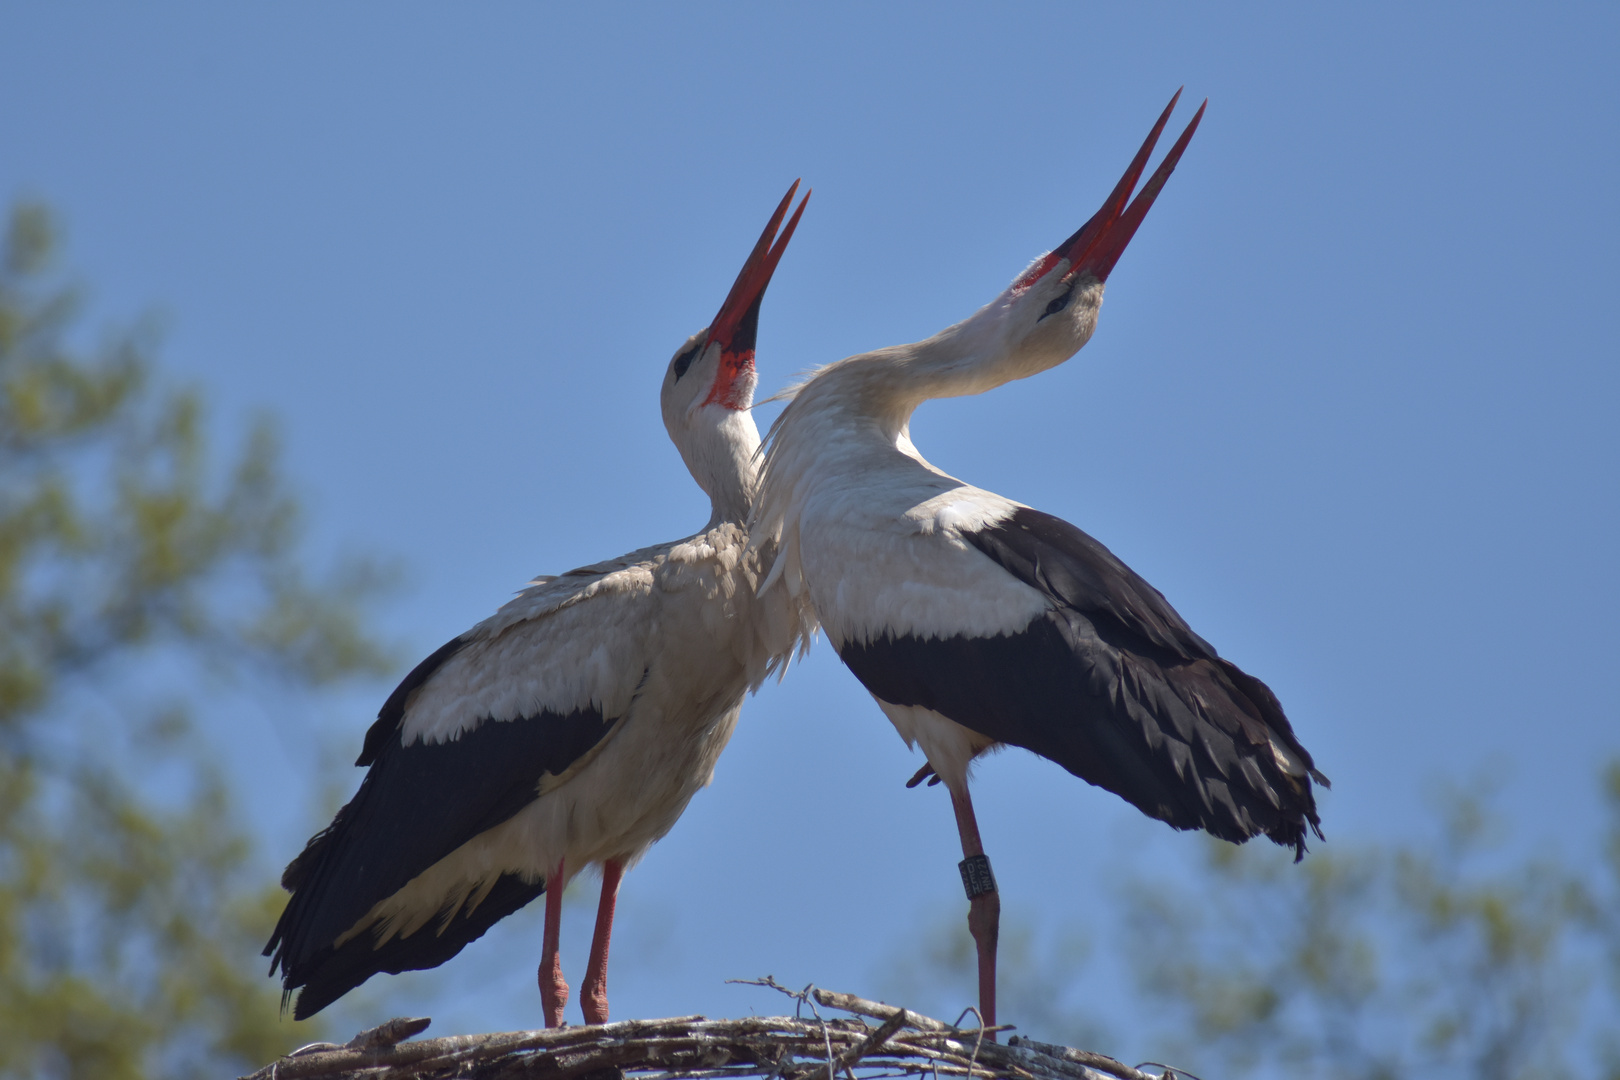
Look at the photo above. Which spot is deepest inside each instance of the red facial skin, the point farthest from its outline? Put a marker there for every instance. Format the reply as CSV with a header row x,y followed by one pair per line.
x,y
1097,245
735,325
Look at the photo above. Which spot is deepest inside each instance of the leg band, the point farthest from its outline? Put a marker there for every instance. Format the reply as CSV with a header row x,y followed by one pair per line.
x,y
976,876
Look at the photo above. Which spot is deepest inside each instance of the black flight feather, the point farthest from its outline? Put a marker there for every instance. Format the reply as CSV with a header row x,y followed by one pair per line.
x,y
416,805
1111,684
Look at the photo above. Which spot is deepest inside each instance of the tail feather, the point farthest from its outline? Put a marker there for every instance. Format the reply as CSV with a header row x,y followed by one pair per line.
x,y
329,973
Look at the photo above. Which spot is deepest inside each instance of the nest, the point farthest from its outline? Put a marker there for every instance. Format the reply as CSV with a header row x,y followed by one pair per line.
x,y
900,1043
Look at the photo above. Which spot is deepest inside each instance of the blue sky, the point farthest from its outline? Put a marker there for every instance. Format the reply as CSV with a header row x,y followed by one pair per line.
x,y
1351,404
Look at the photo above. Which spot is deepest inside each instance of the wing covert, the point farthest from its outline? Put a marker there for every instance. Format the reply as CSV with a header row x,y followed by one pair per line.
x,y
1076,571
462,744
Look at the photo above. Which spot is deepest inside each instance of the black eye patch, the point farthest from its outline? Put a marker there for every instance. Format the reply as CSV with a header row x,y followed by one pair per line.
x,y
684,361
1057,304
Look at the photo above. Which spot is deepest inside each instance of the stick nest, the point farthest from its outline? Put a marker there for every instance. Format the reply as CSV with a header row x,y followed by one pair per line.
x,y
899,1044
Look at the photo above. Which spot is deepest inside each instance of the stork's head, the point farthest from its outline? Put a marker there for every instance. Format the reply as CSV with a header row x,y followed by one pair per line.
x,y
709,384
714,369
1050,311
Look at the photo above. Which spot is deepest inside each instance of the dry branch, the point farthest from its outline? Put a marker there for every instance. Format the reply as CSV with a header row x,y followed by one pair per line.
x,y
903,1044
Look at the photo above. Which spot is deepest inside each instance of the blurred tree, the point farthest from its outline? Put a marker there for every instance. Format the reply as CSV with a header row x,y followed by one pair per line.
x,y
131,575
1453,958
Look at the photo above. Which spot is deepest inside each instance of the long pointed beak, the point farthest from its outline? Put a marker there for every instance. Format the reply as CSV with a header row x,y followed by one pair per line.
x,y
1099,243
738,321
737,324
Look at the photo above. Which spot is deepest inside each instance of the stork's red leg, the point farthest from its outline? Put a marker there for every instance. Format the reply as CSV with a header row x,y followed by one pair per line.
x,y
553,989
984,904
593,992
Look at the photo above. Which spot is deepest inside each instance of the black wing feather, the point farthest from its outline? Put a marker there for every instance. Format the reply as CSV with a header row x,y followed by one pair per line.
x,y
343,969
1111,684
416,805
1076,570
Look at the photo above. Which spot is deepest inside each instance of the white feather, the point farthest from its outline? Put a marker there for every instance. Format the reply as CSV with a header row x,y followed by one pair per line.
x,y
665,642
949,747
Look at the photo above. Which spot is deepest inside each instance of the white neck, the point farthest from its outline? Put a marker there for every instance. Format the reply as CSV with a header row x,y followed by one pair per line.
x,y
852,416
719,450
1002,341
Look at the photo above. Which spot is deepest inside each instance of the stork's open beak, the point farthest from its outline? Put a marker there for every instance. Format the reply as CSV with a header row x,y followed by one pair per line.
x,y
1099,243
738,321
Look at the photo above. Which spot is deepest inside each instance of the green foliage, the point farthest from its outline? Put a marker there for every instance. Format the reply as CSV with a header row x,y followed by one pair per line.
x,y
1367,962
131,574
1452,958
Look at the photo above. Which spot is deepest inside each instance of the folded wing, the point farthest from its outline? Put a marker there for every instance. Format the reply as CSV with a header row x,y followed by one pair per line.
x,y
465,742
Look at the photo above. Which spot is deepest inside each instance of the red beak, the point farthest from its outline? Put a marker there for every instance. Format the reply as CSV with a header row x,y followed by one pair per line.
x,y
738,321
1101,241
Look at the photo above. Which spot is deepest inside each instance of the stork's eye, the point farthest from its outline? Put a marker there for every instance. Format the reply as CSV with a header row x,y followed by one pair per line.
x,y
1057,304
684,361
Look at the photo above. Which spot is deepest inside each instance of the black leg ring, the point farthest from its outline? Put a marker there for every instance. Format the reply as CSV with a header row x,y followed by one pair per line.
x,y
976,876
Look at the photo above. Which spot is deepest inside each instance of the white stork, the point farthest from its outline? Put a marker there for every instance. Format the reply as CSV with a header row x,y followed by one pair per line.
x,y
570,728
977,622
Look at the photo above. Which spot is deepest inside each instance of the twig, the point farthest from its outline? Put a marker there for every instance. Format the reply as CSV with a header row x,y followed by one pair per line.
x,y
866,1046
903,1044
345,1060
389,1033
877,1010
1100,1062
803,998
1170,1071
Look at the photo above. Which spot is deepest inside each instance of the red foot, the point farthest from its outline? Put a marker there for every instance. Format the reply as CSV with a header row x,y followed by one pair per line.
x,y
595,1006
593,993
553,989
984,923
984,910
